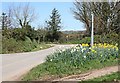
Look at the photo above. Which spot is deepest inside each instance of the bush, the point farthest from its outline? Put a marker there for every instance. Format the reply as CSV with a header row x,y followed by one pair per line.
x,y
13,46
109,38
10,45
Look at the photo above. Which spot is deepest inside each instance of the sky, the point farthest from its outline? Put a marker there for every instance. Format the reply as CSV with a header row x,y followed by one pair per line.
x,y
44,9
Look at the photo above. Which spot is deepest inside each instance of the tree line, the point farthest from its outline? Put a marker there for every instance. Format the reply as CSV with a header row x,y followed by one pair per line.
x,y
16,22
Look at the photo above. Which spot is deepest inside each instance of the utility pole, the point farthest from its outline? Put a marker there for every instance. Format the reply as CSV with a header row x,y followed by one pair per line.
x,y
92,32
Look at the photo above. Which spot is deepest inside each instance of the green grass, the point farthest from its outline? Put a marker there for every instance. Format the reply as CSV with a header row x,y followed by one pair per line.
x,y
17,46
70,62
111,77
108,38
60,70
42,46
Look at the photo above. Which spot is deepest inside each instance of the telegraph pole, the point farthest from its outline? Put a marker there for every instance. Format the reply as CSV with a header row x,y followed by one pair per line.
x,y
92,32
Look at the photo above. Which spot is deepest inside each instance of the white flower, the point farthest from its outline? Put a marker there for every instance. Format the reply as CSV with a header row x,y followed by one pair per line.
x,y
82,50
50,59
41,47
63,50
81,46
60,51
90,48
77,48
73,50
84,57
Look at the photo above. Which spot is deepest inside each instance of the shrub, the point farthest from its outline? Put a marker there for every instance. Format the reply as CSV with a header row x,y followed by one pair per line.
x,y
12,46
109,38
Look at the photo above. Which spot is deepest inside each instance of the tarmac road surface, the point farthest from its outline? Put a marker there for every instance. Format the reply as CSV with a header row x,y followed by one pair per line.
x,y
17,64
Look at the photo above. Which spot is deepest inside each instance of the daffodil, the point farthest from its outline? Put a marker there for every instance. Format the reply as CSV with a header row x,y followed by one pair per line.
x,y
93,51
63,50
84,48
84,57
51,60
77,47
117,49
41,47
85,45
73,50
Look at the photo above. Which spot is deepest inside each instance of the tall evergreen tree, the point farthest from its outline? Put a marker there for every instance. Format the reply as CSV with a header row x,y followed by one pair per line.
x,y
53,26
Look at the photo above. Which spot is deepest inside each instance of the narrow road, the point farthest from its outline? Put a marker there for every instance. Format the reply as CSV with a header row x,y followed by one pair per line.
x,y
17,64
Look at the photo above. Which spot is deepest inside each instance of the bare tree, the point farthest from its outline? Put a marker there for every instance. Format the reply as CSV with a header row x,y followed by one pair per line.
x,y
106,14
82,12
23,15
9,18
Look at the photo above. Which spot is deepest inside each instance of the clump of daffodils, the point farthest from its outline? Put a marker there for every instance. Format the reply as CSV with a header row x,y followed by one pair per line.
x,y
105,45
94,48
84,53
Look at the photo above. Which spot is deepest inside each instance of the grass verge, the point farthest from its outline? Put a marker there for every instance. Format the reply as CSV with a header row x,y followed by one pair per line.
x,y
42,46
71,62
107,78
